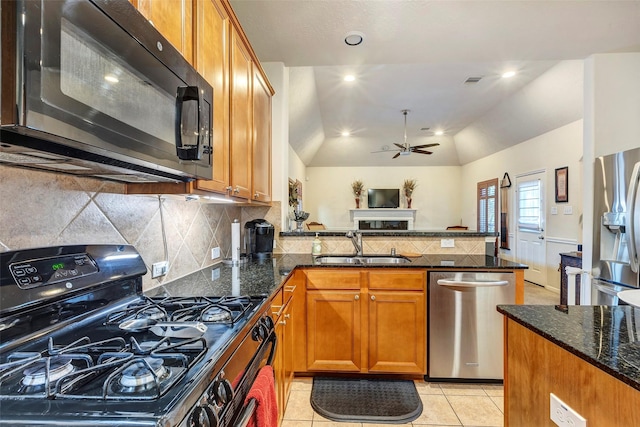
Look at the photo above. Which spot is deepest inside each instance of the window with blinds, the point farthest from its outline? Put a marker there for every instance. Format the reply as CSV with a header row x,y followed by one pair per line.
x,y
530,205
488,206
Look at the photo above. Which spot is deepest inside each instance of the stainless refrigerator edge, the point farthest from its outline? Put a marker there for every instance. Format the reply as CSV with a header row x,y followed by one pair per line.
x,y
616,226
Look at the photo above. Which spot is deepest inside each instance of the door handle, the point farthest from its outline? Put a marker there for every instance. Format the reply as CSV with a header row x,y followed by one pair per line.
x,y
541,237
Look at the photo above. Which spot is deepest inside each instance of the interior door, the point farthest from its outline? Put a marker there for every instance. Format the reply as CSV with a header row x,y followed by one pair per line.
x,y
530,219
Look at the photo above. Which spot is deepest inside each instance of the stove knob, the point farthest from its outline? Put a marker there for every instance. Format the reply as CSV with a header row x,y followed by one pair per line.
x,y
221,392
259,332
268,321
203,416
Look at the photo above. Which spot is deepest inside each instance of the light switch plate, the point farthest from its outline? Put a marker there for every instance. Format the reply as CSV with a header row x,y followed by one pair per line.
x,y
568,210
562,415
447,243
554,210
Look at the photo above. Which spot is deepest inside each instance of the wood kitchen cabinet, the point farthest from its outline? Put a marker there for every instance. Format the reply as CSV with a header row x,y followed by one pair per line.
x,y
241,118
174,20
285,318
368,320
261,139
213,29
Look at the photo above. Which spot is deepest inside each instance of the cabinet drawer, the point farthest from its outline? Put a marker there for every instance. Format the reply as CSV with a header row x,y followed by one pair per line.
x,y
401,279
333,279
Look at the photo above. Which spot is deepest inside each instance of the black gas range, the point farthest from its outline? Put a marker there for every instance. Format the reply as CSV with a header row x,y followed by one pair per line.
x,y
81,345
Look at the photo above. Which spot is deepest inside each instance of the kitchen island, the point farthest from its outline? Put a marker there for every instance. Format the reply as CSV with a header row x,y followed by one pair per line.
x,y
587,356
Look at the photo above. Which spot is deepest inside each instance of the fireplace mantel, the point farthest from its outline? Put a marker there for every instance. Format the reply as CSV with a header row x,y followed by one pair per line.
x,y
383,214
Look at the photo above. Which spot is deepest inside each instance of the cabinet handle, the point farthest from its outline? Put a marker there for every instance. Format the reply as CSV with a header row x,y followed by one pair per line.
x,y
290,288
283,322
277,307
256,195
373,297
357,297
287,316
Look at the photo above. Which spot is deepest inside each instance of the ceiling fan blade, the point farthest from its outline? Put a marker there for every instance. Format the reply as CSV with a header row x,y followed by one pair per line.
x,y
402,147
397,154
425,145
384,151
422,151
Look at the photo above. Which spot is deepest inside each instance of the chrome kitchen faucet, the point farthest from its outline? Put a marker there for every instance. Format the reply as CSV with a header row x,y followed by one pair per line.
x,y
356,239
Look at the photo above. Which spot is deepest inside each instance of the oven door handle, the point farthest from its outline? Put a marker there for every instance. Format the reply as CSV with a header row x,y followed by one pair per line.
x,y
247,413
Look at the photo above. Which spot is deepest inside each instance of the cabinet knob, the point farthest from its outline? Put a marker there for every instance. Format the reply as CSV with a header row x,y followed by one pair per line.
x,y
357,297
256,195
229,188
236,190
283,322
287,316
373,297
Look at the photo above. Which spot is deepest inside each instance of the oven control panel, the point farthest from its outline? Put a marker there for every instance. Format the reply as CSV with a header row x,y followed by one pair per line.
x,y
42,272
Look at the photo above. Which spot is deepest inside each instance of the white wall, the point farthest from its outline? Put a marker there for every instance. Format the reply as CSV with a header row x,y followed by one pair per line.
x,y
328,196
558,148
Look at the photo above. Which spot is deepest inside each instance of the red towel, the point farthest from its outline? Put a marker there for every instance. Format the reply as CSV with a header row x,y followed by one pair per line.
x,y
263,391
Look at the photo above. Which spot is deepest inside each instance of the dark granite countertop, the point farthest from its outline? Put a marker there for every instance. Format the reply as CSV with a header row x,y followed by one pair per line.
x,y
264,277
390,233
605,336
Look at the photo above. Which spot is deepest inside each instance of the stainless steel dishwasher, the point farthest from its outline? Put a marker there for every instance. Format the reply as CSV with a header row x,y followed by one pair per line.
x,y
465,330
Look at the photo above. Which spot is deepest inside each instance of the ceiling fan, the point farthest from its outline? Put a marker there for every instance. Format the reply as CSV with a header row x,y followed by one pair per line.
x,y
406,149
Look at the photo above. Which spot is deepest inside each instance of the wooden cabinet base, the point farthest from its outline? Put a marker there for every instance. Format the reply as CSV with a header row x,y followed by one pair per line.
x,y
535,367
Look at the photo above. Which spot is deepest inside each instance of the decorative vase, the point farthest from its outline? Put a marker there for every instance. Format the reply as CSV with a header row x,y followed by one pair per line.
x,y
408,203
357,203
300,226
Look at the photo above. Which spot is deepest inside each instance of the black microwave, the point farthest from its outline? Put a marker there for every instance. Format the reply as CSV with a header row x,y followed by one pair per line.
x,y
90,87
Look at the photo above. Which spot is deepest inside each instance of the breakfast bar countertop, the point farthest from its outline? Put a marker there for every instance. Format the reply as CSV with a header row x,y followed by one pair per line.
x,y
604,336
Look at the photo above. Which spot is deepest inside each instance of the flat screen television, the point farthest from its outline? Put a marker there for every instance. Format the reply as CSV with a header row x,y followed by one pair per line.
x,y
383,198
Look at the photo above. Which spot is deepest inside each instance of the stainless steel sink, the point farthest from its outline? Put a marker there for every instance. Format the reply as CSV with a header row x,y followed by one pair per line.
x,y
366,259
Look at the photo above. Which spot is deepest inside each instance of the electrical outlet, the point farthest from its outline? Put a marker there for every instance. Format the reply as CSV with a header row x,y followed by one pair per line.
x,y
215,252
159,269
274,244
554,210
215,274
447,243
562,415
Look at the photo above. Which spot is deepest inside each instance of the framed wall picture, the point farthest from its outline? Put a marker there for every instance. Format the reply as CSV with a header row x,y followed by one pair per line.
x,y
562,185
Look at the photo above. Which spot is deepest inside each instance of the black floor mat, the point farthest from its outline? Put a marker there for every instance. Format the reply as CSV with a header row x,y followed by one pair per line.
x,y
366,400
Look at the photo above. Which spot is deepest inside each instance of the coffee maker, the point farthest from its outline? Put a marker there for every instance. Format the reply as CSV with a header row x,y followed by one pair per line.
x,y
258,238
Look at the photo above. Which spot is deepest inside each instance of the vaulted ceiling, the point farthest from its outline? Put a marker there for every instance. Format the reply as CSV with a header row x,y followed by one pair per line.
x,y
417,55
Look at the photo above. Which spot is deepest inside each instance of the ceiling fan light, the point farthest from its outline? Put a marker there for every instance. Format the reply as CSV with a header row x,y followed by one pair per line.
x,y
349,78
345,133
508,74
439,133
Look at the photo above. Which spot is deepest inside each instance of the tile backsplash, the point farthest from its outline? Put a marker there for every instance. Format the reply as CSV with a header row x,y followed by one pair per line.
x,y
46,209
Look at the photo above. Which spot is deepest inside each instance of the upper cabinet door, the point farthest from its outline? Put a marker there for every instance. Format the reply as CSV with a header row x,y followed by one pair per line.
x,y
212,61
241,135
261,178
174,20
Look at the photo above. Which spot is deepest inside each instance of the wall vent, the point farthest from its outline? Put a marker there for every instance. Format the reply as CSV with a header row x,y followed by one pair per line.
x,y
472,80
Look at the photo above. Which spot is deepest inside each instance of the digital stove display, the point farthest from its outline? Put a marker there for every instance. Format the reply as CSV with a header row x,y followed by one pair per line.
x,y
42,272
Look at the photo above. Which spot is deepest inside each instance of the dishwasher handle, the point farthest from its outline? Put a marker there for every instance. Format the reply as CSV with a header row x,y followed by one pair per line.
x,y
471,283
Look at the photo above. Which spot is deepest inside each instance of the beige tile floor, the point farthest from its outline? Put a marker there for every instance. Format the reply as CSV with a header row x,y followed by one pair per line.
x,y
444,404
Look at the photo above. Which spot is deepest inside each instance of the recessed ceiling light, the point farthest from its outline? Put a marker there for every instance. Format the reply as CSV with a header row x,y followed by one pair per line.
x,y
349,78
111,78
345,133
439,132
508,74
354,38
